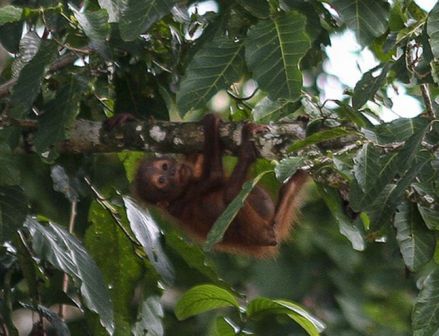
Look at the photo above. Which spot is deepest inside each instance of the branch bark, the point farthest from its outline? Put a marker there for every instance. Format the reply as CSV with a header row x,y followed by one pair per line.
x,y
174,137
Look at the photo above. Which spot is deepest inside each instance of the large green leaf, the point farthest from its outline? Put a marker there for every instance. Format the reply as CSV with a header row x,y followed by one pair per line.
x,y
261,306
348,227
148,234
220,226
59,114
367,164
139,15
287,167
433,30
267,110
397,130
9,173
28,85
367,86
13,211
66,253
223,327
202,298
95,26
10,14
368,19
324,135
122,271
380,174
415,241
273,50
425,319
215,67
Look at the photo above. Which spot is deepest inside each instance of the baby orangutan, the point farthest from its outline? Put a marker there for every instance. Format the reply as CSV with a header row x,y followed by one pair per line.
x,y
196,192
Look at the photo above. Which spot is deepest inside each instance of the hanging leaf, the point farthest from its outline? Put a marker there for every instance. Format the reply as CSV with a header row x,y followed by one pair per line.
x,y
433,30
148,234
139,15
415,241
368,85
217,65
273,51
149,319
28,85
368,19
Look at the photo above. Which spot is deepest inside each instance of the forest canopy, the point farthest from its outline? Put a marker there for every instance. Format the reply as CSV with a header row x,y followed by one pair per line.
x,y
80,256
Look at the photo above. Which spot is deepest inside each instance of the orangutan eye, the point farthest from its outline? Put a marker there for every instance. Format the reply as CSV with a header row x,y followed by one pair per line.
x,y
161,180
165,166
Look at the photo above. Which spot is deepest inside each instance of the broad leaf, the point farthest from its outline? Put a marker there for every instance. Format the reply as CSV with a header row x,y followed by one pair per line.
x,y
149,319
367,86
27,88
348,227
28,47
10,14
59,114
287,167
217,65
223,327
148,234
368,19
9,173
367,164
113,9
415,241
261,306
433,30
397,130
95,26
267,110
274,48
220,226
13,211
202,298
325,135
139,15
122,271
430,217
66,253
425,318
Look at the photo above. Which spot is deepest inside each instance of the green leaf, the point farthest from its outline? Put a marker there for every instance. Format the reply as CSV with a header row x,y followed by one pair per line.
x,y
13,211
383,172
430,217
66,253
139,15
223,327
113,9
348,227
122,271
274,48
267,110
148,234
368,19
10,14
397,130
149,319
220,226
367,86
96,28
261,306
59,115
367,164
415,241
28,85
433,30
215,66
9,171
425,318
287,167
346,111
202,298
325,135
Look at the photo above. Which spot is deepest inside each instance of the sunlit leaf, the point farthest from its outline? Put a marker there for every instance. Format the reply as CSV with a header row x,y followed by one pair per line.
x,y
202,298
10,14
149,319
433,29
368,19
148,234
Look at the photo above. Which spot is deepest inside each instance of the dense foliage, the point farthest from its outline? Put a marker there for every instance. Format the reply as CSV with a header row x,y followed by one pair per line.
x,y
78,256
